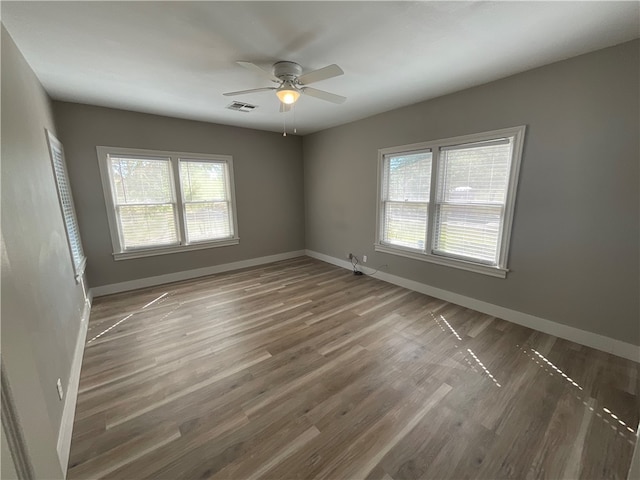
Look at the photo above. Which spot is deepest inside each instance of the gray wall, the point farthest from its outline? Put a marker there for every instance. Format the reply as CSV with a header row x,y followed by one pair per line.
x,y
574,251
268,181
41,302
7,468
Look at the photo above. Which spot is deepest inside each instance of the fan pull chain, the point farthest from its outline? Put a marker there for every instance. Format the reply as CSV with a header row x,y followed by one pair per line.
x,y
294,118
284,125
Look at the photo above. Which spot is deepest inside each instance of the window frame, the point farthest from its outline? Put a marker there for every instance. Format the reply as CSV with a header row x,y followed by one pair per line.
x,y
69,215
500,270
119,253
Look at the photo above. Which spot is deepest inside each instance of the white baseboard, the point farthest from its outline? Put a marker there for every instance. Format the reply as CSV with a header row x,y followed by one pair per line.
x,y
189,274
71,394
583,337
634,470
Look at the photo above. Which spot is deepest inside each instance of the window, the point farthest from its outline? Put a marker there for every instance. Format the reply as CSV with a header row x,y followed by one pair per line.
x,y
451,201
205,187
407,185
164,202
66,205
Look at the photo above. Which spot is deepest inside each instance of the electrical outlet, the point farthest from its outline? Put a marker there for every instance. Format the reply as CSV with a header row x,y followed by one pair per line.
x,y
364,259
59,386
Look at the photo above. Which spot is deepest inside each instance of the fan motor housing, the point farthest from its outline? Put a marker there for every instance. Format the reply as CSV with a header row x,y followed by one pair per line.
x,y
287,70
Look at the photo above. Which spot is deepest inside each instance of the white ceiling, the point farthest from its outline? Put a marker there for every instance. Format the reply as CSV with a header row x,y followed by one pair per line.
x,y
177,58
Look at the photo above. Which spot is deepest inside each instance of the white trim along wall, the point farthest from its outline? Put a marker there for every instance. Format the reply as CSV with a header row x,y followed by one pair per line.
x,y
589,339
582,337
189,274
69,409
634,470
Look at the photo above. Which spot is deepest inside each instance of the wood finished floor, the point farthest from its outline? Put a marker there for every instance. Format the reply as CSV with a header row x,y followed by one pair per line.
x,y
299,369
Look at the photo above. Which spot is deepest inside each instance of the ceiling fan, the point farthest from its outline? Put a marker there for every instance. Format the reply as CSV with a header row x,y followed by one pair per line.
x,y
292,82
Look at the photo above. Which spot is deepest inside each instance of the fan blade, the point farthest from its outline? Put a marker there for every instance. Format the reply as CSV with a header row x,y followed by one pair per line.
x,y
320,74
284,107
254,68
242,92
322,95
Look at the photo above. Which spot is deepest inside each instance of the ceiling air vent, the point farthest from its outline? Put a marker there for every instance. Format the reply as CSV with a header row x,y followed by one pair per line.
x,y
241,107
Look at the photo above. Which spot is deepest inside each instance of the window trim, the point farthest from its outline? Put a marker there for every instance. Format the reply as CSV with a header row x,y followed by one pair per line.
x,y
54,144
500,270
174,158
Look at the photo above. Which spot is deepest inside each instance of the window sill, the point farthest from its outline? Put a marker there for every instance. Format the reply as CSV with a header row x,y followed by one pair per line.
x,y
150,252
448,262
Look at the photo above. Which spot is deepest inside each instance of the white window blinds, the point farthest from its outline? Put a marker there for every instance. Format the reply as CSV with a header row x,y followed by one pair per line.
x,y
405,199
144,201
205,193
470,204
67,207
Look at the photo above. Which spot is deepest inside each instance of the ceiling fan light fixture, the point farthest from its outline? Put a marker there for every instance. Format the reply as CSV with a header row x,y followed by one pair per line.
x,y
287,94
292,83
